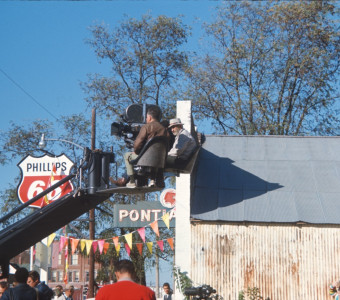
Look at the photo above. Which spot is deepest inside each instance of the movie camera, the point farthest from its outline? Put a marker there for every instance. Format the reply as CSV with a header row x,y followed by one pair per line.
x,y
200,292
132,121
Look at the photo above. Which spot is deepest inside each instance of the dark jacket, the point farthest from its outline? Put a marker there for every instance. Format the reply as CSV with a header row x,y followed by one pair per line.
x,y
147,132
21,292
45,293
167,297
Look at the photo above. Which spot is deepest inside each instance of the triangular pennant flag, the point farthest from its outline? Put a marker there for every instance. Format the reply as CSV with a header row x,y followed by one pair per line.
x,y
50,239
101,245
140,248
117,249
82,245
88,246
149,245
141,232
62,243
74,244
106,247
94,246
154,226
166,220
116,240
128,238
171,243
127,248
160,245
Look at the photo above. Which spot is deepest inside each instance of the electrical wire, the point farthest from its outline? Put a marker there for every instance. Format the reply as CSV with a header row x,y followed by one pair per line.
x,y
27,94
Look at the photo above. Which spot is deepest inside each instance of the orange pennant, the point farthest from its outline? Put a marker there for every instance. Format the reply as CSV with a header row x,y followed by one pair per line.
x,y
140,248
154,226
74,244
106,247
171,243
116,240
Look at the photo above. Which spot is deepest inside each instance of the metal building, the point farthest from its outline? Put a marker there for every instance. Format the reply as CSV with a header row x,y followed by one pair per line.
x,y
265,213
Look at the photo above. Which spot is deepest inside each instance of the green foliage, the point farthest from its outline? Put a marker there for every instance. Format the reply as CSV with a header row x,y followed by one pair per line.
x,y
19,141
182,279
250,294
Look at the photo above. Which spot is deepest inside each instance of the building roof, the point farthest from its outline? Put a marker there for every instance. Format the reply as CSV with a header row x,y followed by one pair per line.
x,y
268,179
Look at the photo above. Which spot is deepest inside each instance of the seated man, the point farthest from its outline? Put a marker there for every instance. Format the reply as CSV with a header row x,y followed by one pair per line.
x,y
184,144
151,129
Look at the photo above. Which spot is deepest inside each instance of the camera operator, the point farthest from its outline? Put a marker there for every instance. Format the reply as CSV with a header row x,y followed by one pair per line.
x,y
151,129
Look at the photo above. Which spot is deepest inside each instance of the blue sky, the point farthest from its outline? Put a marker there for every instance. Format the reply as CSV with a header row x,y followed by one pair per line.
x,y
43,54
43,51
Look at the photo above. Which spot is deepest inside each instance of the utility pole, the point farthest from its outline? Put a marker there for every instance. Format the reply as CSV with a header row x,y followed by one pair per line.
x,y
157,276
91,214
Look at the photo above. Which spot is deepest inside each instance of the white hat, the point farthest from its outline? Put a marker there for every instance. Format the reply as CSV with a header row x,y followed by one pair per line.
x,y
174,122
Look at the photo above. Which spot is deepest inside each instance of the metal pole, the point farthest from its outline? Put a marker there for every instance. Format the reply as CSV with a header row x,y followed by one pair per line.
x,y
37,197
91,214
157,276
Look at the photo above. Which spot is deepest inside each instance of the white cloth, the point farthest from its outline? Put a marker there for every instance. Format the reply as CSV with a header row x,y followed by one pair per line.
x,y
183,146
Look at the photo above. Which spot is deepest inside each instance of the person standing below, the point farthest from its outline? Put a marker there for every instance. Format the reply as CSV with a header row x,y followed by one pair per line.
x,y
67,293
167,291
22,291
3,287
45,293
58,291
151,129
184,144
125,288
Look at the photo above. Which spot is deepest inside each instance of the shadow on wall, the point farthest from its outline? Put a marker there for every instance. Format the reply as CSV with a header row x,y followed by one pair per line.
x,y
219,183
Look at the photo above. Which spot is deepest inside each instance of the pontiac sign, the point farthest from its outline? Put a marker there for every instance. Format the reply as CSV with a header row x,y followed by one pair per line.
x,y
141,214
39,173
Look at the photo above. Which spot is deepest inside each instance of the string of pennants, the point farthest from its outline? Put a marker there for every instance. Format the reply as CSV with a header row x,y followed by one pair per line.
x,y
102,245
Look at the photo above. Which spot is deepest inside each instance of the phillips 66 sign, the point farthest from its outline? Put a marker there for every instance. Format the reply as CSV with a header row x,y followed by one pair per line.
x,y
40,173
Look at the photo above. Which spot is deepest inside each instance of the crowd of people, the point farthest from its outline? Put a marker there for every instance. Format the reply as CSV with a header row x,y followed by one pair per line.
x,y
27,286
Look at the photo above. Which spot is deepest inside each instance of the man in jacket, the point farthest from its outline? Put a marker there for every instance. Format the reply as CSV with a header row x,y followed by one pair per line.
x,y
45,293
184,144
151,129
22,291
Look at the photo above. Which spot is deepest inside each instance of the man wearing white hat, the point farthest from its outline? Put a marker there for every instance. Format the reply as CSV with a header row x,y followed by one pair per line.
x,y
183,146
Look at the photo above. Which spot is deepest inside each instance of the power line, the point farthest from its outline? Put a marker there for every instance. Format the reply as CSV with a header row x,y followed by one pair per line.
x,y
28,94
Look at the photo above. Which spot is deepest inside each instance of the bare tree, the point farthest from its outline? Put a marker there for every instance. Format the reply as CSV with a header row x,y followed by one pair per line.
x,y
145,60
275,70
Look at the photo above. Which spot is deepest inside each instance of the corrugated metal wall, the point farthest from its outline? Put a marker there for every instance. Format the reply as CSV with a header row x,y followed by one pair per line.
x,y
286,262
